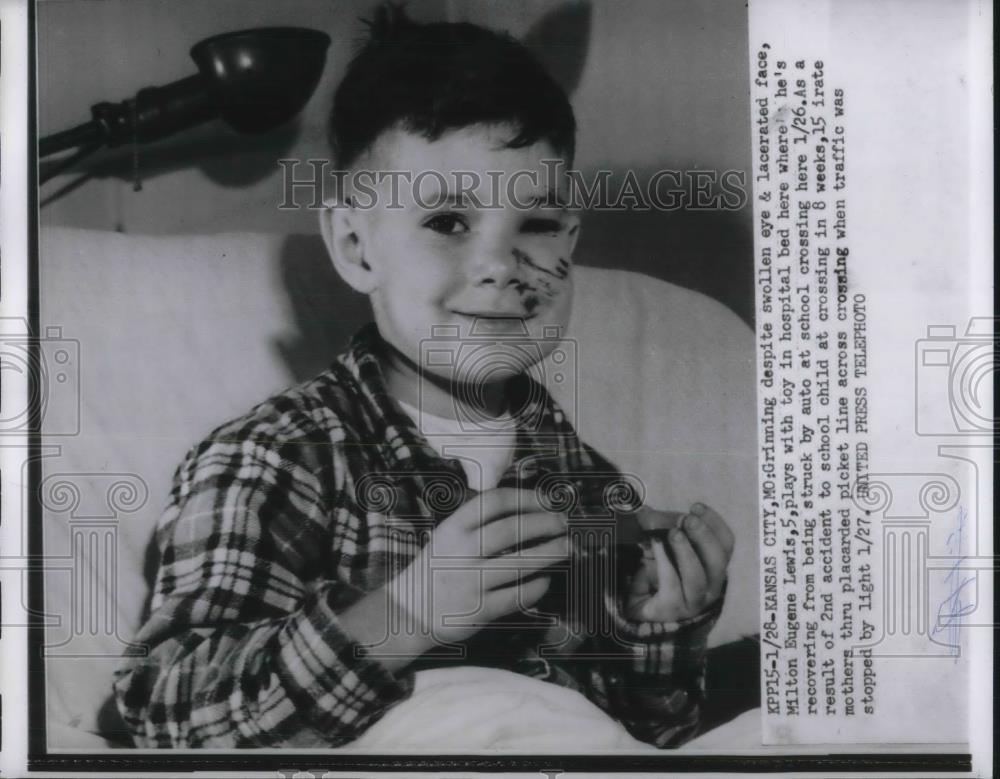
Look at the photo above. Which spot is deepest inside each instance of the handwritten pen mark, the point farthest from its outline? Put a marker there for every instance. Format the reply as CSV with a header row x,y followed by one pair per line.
x,y
952,609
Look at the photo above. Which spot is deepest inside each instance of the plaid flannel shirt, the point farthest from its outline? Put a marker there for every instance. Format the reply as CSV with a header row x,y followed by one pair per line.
x,y
281,519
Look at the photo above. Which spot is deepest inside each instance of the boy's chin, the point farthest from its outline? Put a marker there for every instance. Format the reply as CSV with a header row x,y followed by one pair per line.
x,y
500,360
493,389
485,372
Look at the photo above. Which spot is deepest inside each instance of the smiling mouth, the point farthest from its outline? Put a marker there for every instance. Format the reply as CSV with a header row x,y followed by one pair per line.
x,y
491,315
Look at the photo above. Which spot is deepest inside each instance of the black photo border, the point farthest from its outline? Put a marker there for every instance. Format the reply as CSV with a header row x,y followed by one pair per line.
x,y
124,760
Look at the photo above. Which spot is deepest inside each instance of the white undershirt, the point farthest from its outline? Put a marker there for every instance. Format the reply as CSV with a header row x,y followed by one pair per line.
x,y
484,455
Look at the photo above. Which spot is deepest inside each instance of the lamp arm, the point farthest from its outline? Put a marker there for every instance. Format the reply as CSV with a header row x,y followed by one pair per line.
x,y
65,164
157,112
85,134
154,113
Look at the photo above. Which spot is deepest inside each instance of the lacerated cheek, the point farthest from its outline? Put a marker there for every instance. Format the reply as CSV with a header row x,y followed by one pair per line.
x,y
542,280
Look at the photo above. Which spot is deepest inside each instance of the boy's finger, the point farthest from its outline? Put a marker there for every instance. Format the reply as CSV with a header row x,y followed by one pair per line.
x,y
719,526
495,504
694,582
500,571
539,545
708,547
666,575
644,581
510,533
522,595
667,582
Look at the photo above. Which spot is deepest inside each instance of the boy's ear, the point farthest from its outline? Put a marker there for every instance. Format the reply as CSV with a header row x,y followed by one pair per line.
x,y
343,235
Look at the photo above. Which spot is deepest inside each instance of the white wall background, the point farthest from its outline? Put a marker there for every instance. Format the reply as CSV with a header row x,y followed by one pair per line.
x,y
664,84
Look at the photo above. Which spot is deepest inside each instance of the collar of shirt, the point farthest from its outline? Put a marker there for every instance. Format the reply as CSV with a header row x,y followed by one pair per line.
x,y
545,442
485,455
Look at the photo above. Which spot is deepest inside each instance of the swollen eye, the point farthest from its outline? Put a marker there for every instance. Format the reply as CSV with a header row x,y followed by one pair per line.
x,y
542,226
447,224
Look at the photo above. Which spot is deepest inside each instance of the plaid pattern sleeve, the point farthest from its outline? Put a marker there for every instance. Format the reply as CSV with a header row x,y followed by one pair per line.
x,y
652,675
243,642
658,688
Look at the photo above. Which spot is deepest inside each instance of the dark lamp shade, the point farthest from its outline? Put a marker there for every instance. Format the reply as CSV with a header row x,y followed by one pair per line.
x,y
261,78
254,80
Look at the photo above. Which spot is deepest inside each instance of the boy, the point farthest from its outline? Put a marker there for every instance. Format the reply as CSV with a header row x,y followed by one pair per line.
x,y
299,535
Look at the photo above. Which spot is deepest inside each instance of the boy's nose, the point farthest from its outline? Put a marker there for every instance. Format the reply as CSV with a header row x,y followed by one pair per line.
x,y
498,268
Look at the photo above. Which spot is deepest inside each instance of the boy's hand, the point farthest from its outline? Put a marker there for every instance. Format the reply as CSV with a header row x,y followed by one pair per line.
x,y
472,570
666,591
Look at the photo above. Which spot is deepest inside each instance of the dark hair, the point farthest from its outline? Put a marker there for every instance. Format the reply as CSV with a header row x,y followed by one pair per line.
x,y
431,78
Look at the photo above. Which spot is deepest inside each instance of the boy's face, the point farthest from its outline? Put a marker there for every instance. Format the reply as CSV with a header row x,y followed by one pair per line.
x,y
498,255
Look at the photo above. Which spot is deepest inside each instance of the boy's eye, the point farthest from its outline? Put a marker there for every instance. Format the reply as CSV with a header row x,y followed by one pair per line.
x,y
541,226
447,224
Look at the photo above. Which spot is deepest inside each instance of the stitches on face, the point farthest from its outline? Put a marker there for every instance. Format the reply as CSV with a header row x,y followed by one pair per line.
x,y
540,281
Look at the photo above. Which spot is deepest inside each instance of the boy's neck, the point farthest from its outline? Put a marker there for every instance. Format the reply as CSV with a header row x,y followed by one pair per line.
x,y
432,394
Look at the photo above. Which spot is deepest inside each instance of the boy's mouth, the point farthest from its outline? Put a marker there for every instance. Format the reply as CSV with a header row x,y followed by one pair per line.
x,y
496,315
497,323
